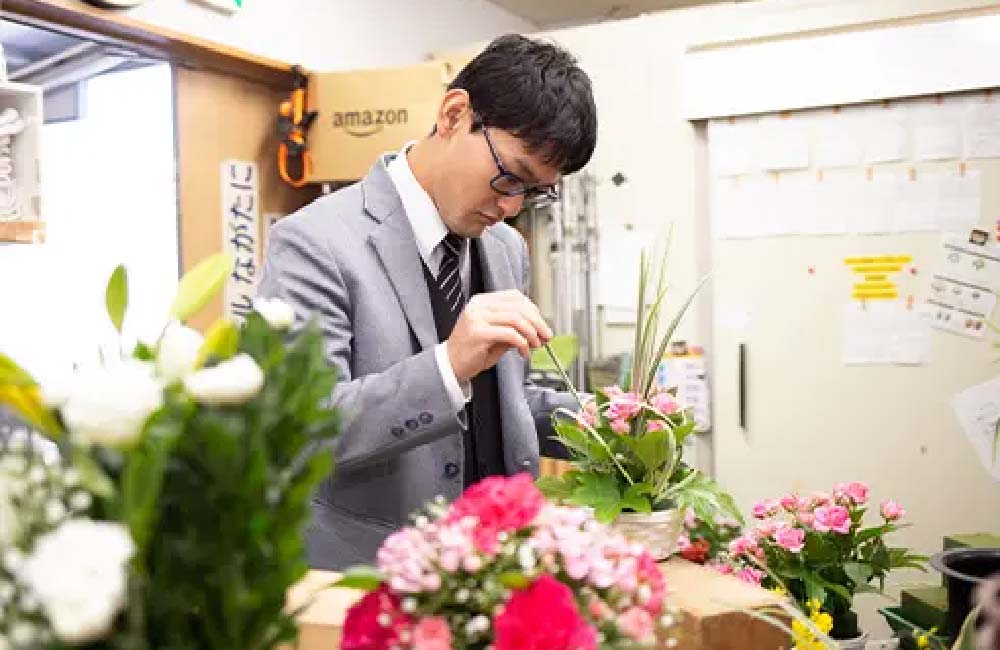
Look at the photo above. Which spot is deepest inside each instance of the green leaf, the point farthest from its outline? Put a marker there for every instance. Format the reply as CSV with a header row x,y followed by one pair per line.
x,y
143,352
814,589
26,401
555,488
599,491
221,341
116,296
967,635
654,449
636,502
364,578
92,477
12,374
870,533
575,437
514,580
860,574
200,284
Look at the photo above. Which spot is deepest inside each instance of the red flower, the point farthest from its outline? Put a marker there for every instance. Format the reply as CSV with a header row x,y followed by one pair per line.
x,y
696,551
501,504
543,617
374,622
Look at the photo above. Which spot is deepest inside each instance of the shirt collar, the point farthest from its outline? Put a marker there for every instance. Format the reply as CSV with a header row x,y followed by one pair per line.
x,y
428,227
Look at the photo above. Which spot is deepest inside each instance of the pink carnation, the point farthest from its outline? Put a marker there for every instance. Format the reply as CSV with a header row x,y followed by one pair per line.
x,y
664,403
790,539
742,545
892,511
851,492
655,425
820,499
807,519
790,502
637,623
620,426
750,575
543,617
766,508
624,407
500,504
431,633
835,518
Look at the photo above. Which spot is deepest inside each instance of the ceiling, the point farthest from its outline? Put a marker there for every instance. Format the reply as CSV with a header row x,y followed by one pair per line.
x,y
562,13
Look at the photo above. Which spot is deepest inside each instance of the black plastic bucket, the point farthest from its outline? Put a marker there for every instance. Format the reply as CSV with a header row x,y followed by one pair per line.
x,y
963,569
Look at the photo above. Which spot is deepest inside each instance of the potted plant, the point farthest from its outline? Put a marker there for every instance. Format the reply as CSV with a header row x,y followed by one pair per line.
x,y
168,513
818,551
627,442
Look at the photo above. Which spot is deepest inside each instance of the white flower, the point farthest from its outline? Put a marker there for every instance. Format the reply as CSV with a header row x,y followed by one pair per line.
x,y
78,574
8,514
275,311
178,351
234,381
110,404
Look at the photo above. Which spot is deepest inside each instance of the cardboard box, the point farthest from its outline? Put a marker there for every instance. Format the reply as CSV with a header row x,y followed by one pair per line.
x,y
365,113
712,606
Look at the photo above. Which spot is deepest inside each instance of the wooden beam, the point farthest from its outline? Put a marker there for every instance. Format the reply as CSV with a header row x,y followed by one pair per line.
x,y
76,18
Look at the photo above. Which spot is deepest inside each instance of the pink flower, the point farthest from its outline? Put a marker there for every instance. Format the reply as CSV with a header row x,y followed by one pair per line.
x,y
807,519
765,508
835,518
655,425
790,539
690,518
742,545
543,617
648,573
664,403
637,623
375,622
766,529
790,502
612,391
624,407
721,567
750,575
858,493
892,511
620,426
431,633
820,499
500,504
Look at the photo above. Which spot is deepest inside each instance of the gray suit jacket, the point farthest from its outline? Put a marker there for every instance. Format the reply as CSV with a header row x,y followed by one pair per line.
x,y
350,261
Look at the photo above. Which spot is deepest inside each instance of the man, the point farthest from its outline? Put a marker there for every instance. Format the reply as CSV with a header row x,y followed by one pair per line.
x,y
418,287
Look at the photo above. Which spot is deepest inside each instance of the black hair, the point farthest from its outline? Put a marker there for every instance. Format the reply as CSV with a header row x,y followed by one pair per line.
x,y
536,92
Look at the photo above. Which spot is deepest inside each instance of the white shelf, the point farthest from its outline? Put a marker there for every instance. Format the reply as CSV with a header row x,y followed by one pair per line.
x,y
27,100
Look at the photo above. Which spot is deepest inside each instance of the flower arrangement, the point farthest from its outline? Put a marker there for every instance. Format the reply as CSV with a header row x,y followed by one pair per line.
x,y
501,568
168,513
817,550
703,541
627,444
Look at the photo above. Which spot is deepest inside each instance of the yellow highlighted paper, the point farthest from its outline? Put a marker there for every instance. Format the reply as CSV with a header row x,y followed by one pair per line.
x,y
867,269
875,295
875,286
881,277
883,259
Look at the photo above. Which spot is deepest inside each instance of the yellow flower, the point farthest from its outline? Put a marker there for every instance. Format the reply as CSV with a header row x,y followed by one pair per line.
x,y
780,591
813,604
823,621
924,640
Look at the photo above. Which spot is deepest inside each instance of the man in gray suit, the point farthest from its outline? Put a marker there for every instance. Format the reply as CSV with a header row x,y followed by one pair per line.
x,y
418,287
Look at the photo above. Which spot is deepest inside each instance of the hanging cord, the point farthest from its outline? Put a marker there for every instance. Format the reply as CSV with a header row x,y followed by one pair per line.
x,y
10,125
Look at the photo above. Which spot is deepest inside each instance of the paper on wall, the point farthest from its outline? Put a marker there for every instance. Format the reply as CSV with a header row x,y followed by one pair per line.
x,y
885,134
787,142
838,140
883,332
978,411
982,130
964,286
731,147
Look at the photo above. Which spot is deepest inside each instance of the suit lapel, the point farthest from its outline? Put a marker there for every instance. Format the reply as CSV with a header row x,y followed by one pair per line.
x,y
497,274
396,246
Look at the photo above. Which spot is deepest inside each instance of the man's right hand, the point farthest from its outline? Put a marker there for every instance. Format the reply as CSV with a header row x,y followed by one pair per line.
x,y
490,325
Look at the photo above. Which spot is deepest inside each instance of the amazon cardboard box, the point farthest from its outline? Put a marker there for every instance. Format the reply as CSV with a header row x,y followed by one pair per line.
x,y
363,113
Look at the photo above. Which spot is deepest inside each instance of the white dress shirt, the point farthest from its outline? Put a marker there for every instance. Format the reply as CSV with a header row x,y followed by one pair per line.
x,y
430,231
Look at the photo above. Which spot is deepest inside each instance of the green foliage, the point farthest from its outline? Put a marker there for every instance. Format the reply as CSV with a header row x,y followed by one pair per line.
x,y
116,297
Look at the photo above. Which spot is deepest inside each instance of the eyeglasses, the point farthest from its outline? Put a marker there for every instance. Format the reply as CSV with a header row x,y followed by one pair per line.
x,y
510,184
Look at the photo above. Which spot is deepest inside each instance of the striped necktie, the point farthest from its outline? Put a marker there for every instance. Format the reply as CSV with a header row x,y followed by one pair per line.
x,y
449,278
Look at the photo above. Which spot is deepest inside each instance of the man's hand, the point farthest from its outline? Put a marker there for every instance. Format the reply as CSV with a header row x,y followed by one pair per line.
x,y
491,324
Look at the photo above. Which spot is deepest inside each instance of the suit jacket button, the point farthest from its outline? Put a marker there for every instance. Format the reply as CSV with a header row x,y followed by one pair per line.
x,y
451,470
411,424
397,431
426,418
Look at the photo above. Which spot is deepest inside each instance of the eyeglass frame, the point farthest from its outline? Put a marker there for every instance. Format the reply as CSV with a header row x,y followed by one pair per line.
x,y
545,194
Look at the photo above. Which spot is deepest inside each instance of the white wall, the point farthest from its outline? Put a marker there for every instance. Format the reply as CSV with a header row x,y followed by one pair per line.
x,y
326,35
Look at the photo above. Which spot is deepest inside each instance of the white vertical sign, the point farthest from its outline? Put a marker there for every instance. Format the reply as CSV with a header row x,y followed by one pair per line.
x,y
240,236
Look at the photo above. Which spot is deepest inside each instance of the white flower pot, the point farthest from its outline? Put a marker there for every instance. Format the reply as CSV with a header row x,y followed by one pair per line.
x,y
857,643
657,531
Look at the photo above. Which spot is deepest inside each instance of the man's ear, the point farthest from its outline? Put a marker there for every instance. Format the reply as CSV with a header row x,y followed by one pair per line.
x,y
454,113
